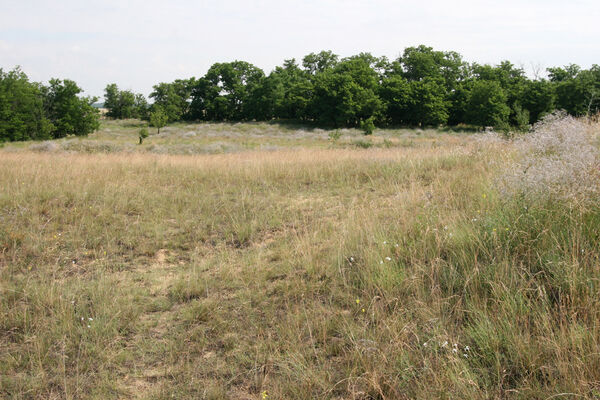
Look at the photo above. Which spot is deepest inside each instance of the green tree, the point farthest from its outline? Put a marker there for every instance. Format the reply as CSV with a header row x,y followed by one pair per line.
x,y
174,98
69,113
346,95
521,117
558,74
127,104
428,106
415,103
320,62
22,114
124,103
203,95
511,79
486,105
264,98
381,65
396,94
294,91
538,97
577,91
418,63
141,107
158,117
111,101
225,92
457,110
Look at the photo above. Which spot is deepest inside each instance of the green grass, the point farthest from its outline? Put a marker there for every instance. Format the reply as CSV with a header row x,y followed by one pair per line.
x,y
321,270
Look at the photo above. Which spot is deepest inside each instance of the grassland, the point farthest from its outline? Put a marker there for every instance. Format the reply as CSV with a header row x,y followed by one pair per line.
x,y
219,138
290,265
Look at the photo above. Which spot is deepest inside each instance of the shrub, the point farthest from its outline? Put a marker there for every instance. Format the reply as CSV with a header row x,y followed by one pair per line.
x,y
335,135
367,126
143,134
556,160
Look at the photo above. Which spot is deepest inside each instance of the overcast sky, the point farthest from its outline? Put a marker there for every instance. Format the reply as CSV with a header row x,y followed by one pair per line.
x,y
138,43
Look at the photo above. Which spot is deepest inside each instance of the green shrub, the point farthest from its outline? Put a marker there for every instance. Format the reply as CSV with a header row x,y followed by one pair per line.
x,y
335,135
367,126
143,134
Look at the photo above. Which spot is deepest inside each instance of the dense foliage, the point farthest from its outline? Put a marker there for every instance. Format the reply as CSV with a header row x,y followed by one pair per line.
x,y
423,87
32,111
124,103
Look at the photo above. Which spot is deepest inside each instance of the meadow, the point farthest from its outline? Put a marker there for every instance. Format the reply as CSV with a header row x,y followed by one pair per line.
x,y
268,261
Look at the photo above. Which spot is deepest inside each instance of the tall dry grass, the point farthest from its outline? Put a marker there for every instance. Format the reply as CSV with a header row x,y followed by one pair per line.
x,y
363,274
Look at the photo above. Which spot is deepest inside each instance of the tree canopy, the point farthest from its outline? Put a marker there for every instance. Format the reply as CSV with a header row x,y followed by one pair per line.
x,y
422,87
32,111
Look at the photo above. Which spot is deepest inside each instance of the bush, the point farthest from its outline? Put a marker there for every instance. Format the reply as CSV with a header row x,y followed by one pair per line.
x,y
556,160
335,135
367,126
143,134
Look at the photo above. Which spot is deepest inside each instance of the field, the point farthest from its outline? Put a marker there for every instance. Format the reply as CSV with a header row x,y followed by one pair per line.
x,y
264,261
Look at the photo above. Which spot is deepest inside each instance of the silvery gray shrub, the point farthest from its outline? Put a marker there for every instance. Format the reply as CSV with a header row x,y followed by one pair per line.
x,y
555,160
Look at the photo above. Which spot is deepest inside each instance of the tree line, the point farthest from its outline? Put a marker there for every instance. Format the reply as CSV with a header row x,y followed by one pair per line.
x,y
32,111
422,87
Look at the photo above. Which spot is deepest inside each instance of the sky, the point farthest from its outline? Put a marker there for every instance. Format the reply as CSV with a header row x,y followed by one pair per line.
x,y
138,43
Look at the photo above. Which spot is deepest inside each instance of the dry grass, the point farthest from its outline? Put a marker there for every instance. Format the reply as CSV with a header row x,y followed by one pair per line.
x,y
333,273
188,139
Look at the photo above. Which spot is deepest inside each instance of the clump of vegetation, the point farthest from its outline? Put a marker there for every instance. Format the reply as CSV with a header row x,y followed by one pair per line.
x,y
158,118
368,126
143,134
557,160
32,111
335,135
123,104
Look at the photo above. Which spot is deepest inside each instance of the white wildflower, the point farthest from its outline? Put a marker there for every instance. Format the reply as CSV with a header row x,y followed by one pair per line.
x,y
557,159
